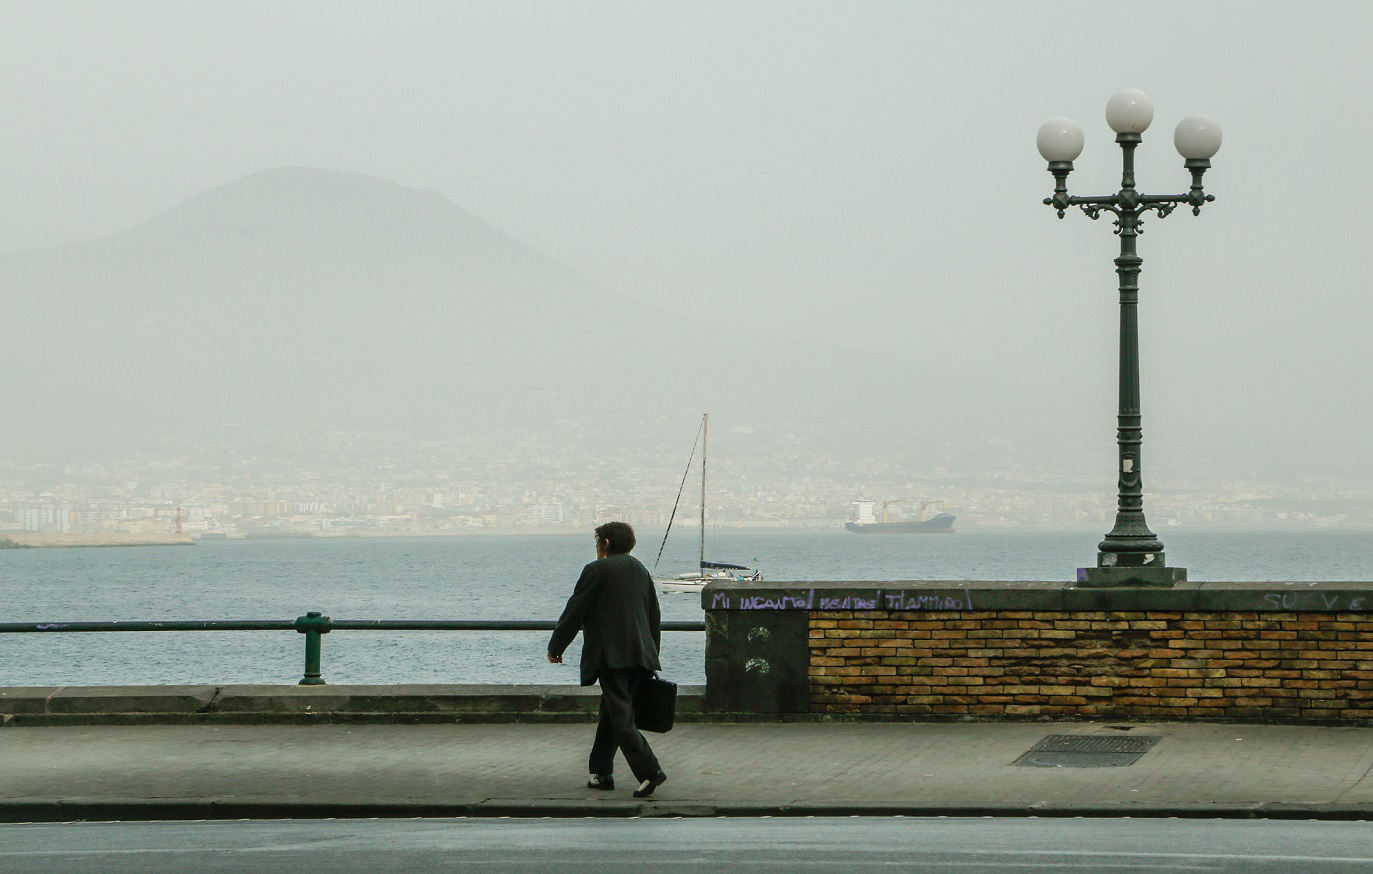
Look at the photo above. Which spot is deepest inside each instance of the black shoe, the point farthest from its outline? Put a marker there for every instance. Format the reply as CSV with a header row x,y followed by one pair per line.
x,y
601,781
647,786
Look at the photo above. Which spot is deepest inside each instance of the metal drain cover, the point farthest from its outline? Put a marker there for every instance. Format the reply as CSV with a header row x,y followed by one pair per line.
x,y
1087,751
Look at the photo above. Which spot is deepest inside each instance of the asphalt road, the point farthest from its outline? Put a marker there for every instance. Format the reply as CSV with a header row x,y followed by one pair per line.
x,y
611,845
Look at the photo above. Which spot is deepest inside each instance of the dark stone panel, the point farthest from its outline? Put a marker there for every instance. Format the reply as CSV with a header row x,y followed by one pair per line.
x,y
757,662
1132,575
1128,600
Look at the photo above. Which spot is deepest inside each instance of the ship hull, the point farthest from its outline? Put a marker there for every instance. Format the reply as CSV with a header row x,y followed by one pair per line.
x,y
941,524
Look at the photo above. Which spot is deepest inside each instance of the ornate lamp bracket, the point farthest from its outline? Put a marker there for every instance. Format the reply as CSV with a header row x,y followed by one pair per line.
x,y
1093,211
1162,209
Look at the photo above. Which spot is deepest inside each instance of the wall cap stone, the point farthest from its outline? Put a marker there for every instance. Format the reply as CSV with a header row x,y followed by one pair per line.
x,y
1352,596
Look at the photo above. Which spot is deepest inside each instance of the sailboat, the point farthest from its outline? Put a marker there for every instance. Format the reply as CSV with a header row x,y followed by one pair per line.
x,y
707,571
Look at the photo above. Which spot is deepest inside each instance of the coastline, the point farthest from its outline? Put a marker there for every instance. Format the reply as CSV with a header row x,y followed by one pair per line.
x,y
45,540
32,539
836,530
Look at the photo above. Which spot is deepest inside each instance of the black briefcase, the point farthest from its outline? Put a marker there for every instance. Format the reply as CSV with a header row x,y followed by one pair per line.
x,y
655,704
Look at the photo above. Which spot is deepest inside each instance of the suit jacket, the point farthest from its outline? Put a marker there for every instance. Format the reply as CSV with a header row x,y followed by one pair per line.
x,y
615,606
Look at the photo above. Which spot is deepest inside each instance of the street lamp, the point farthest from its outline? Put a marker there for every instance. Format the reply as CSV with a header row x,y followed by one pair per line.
x,y
1131,554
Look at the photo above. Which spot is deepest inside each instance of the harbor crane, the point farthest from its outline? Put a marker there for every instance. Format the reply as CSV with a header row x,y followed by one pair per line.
x,y
942,505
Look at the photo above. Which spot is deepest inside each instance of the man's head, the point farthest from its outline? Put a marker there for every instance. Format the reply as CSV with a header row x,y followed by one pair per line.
x,y
614,538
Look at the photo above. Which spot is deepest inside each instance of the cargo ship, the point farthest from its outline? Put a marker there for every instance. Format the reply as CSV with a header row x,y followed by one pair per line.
x,y
866,522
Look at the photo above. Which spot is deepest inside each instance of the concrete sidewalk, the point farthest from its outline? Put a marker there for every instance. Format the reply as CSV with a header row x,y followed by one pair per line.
x,y
62,773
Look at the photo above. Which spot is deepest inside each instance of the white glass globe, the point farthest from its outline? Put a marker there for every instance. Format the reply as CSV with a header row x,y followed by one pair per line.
x,y
1197,137
1129,111
1059,139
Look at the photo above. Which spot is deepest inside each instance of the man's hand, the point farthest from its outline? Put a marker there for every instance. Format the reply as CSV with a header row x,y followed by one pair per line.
x,y
557,660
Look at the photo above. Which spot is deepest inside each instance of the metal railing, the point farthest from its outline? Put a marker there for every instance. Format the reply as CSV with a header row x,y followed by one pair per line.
x,y
313,625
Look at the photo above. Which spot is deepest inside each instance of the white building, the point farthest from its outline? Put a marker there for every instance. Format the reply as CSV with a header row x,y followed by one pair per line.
x,y
45,518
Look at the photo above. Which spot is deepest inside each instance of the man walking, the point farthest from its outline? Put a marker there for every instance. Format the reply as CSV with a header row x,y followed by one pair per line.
x,y
615,606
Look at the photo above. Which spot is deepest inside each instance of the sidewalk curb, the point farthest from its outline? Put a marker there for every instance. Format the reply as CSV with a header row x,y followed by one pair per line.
x,y
443,704
196,810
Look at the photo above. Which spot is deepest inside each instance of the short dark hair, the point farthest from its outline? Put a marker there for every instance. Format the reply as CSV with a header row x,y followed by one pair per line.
x,y
618,537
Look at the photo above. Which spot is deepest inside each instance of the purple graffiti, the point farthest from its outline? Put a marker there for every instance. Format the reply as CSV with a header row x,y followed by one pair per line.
x,y
904,600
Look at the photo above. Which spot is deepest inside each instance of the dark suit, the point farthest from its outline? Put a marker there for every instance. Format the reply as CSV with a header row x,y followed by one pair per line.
x,y
615,606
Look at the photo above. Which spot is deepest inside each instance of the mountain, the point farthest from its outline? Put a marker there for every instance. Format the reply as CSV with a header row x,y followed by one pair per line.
x,y
300,297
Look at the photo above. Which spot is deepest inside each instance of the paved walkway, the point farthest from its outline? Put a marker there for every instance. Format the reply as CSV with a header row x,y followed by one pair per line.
x,y
232,771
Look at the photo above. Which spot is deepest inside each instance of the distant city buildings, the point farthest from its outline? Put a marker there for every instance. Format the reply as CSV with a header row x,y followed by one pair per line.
x,y
384,484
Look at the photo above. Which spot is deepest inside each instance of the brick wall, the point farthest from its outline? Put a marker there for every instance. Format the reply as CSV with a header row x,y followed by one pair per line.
x,y
1302,665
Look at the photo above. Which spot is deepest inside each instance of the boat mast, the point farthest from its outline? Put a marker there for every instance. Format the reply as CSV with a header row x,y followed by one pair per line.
x,y
705,441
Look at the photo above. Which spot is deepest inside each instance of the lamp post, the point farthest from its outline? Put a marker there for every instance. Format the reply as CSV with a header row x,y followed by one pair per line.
x,y
1131,554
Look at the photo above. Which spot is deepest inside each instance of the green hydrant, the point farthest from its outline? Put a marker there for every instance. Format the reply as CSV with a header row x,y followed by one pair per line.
x,y
312,625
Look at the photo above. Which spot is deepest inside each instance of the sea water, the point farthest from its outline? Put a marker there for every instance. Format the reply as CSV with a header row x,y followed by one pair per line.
x,y
499,577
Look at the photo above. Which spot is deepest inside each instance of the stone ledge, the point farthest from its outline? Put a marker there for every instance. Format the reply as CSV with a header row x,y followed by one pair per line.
x,y
77,700
92,705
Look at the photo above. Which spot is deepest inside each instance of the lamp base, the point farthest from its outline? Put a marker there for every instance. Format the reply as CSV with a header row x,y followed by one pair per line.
x,y
1104,577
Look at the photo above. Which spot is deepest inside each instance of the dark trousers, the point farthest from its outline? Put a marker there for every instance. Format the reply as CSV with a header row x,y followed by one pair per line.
x,y
616,729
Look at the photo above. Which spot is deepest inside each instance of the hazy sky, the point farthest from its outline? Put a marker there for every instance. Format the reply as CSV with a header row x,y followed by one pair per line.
x,y
861,172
